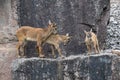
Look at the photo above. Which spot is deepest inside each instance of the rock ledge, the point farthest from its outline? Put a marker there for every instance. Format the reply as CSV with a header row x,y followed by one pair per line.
x,y
95,67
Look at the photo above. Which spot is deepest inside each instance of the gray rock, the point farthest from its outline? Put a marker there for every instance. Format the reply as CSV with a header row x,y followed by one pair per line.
x,y
7,55
8,21
104,66
116,69
113,31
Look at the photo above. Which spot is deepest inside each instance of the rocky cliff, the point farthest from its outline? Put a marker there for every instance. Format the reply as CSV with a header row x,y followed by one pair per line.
x,y
104,66
8,21
71,17
8,27
113,34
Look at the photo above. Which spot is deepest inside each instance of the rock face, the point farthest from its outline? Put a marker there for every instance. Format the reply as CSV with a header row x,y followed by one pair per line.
x,y
8,26
113,27
71,17
8,20
96,67
7,55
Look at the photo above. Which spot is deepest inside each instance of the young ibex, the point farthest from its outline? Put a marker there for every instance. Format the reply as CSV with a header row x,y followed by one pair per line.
x,y
55,41
34,34
91,41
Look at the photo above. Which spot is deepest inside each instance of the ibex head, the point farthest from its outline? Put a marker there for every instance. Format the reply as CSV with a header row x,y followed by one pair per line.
x,y
88,34
66,38
52,26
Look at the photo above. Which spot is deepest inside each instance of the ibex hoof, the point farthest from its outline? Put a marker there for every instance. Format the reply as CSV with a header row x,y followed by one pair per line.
x,y
54,56
62,57
97,52
88,54
42,56
19,56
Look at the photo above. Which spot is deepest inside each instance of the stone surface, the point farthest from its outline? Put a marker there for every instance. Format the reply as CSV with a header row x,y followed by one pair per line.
x,y
116,69
8,26
71,17
8,20
7,55
113,29
104,66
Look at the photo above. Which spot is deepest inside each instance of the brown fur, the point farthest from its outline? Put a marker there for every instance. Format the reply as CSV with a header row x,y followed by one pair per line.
x,y
55,40
34,34
91,41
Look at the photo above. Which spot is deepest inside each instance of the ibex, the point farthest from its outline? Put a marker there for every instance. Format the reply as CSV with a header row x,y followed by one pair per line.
x,y
91,41
34,34
55,41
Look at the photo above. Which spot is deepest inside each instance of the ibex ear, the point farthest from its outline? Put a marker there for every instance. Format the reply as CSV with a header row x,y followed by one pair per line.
x,y
91,30
55,24
67,34
49,22
85,31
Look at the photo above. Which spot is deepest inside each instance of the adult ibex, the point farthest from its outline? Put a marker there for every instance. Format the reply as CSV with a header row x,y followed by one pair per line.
x,y
91,41
34,34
